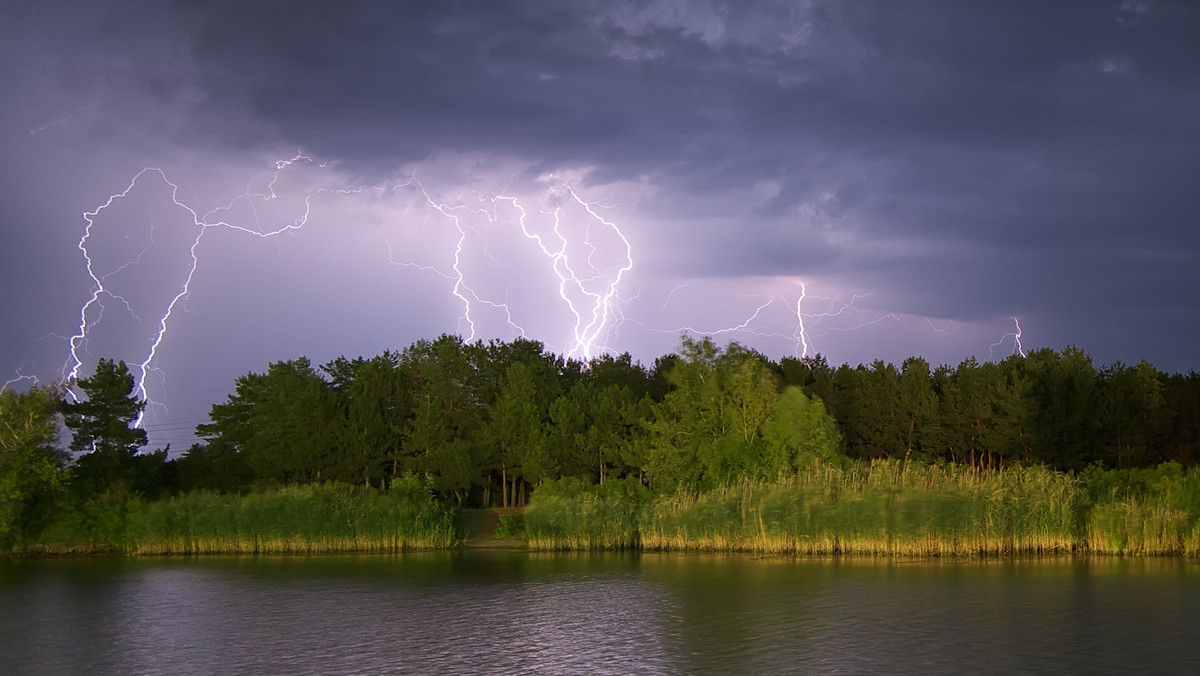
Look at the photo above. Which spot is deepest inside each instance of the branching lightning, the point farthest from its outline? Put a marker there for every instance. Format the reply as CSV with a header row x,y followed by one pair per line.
x,y
1015,335
588,289
20,377
800,323
583,256
92,311
588,282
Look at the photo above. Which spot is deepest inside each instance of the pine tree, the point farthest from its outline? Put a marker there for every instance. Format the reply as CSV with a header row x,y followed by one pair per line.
x,y
103,423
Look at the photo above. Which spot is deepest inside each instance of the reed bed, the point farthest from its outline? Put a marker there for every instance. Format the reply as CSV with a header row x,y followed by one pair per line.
x,y
1142,527
297,519
881,508
884,508
564,515
1144,511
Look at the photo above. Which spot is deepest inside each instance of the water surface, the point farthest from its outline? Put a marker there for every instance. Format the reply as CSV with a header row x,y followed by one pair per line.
x,y
493,612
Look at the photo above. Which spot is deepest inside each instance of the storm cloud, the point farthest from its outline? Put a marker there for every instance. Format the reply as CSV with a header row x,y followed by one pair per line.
x,y
941,167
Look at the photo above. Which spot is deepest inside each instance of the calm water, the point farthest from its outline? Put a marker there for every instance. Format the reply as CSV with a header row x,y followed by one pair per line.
x,y
489,612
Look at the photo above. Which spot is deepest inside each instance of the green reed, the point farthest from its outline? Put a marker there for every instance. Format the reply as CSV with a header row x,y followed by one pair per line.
x,y
565,515
1144,511
294,519
882,508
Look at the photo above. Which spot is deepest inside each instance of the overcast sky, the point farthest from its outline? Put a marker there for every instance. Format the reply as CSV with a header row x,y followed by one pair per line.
x,y
863,180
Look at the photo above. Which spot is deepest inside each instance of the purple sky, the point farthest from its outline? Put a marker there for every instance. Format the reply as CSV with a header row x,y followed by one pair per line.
x,y
914,175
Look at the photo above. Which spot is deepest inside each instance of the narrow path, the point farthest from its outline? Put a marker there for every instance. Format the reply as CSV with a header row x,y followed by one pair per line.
x,y
480,526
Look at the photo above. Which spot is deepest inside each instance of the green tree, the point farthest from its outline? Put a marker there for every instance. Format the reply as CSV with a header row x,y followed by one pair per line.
x,y
1134,414
709,425
1065,399
885,425
983,413
918,410
800,431
282,422
32,468
516,430
104,424
1181,394
448,414
373,399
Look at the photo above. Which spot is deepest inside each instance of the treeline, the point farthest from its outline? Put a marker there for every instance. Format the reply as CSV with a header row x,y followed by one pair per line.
x,y
485,423
1051,408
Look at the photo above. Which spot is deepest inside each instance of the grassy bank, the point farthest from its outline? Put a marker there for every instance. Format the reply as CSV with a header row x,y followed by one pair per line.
x,y
300,519
293,519
566,515
1140,512
881,508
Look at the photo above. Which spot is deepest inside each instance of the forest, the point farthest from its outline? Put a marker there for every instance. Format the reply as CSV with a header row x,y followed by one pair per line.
x,y
479,424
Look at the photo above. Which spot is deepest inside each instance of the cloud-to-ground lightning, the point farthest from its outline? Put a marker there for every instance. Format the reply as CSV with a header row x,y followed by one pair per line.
x,y
565,246
791,322
1015,335
587,287
588,278
91,312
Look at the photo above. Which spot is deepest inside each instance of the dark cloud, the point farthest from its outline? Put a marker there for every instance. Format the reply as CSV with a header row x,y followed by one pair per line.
x,y
963,162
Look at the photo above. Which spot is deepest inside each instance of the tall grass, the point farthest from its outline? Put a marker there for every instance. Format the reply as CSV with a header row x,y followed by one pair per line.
x,y
566,515
881,508
1144,511
884,508
1140,527
297,519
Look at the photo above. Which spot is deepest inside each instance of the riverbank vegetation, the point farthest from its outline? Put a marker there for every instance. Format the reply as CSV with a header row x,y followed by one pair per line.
x,y
311,518
715,448
886,507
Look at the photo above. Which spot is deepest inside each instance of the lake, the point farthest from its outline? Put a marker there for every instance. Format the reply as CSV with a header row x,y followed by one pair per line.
x,y
510,612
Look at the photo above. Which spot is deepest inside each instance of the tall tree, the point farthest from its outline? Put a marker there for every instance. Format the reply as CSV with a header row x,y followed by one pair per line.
x,y
103,424
32,468
709,426
515,432
918,410
1134,413
447,414
282,422
1065,398
373,399
800,432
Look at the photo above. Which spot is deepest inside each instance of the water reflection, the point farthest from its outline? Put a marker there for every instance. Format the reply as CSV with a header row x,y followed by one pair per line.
x,y
511,612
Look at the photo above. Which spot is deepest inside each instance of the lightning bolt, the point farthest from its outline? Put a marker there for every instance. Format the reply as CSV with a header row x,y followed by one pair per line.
x,y
18,378
588,330
92,311
801,323
585,258
672,292
588,278
588,289
1016,338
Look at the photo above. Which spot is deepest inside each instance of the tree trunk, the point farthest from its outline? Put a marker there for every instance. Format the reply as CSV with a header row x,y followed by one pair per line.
x,y
503,486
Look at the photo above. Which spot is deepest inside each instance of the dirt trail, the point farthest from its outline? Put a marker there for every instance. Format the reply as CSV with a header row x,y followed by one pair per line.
x,y
480,526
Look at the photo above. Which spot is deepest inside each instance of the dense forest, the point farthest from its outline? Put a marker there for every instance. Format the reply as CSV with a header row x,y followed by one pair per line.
x,y
486,424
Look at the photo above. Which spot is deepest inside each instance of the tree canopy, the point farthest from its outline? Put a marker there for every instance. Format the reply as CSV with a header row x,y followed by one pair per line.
x,y
485,422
